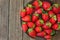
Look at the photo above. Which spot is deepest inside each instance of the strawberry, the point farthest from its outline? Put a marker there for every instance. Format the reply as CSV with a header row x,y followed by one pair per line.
x,y
47,25
31,24
38,29
24,27
53,19
31,33
39,22
23,13
45,17
37,4
47,37
29,9
46,5
51,13
48,31
55,8
56,26
26,18
58,18
39,11
35,17
56,5
41,34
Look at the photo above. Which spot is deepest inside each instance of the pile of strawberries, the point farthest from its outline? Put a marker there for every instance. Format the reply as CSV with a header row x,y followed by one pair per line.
x,y
41,19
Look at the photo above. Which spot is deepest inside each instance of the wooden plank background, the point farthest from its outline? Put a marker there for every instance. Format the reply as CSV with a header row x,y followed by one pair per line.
x,y
10,27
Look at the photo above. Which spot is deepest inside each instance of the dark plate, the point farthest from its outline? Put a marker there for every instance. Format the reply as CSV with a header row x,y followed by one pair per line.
x,y
57,36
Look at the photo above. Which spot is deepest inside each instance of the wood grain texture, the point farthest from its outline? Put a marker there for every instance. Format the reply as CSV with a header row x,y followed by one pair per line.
x,y
4,19
19,7
12,20
15,31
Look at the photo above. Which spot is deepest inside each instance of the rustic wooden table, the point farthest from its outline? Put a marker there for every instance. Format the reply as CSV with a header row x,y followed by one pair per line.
x,y
10,28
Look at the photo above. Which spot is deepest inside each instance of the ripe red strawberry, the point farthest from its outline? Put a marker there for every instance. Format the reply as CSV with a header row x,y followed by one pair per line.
x,y
41,34
51,13
35,17
58,18
26,18
39,22
56,8
31,33
45,17
47,25
48,31
31,24
36,4
39,11
24,27
23,13
38,29
53,19
47,37
56,26
29,9
46,5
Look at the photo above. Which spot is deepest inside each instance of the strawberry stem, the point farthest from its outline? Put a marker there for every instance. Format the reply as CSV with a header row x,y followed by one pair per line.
x,y
56,5
30,29
43,11
41,21
40,3
50,8
29,5
54,17
48,24
40,28
23,22
36,14
51,15
53,33
23,10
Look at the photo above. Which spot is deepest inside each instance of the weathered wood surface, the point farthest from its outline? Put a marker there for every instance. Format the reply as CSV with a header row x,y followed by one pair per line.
x,y
10,27
4,19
